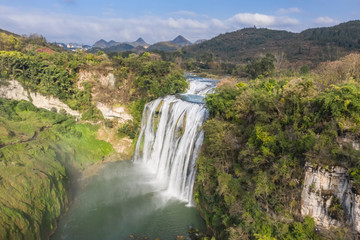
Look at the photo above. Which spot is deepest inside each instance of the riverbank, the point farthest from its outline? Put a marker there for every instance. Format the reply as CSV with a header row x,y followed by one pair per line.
x,y
36,172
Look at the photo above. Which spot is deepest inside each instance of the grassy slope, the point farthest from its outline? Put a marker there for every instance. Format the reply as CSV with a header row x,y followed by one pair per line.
x,y
33,176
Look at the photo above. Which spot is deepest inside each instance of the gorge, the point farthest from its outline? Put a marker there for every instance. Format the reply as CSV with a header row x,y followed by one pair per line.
x,y
271,153
147,197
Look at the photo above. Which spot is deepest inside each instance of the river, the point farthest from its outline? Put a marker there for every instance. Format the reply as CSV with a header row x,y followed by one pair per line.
x,y
123,199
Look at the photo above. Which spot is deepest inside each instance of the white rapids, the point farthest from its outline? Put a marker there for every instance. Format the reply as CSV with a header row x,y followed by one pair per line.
x,y
171,137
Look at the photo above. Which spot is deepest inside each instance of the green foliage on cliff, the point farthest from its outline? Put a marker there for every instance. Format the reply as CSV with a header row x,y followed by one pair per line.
x,y
145,77
257,141
37,148
148,77
52,74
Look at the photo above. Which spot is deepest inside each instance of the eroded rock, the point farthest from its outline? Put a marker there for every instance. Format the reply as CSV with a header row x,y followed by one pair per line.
x,y
114,112
13,90
323,190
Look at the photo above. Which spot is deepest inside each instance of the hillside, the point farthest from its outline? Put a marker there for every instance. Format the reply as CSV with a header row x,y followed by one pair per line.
x,y
309,47
39,148
273,152
36,149
8,33
122,47
164,46
10,41
345,35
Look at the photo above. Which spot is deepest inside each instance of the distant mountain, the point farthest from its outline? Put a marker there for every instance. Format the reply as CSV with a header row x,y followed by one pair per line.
x,y
140,45
139,42
181,41
122,47
308,47
138,49
170,46
102,44
164,46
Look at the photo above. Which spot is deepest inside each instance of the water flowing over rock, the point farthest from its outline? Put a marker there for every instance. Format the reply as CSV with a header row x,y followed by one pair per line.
x,y
325,188
171,137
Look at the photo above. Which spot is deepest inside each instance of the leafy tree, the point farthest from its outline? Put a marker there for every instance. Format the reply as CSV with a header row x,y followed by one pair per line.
x,y
261,66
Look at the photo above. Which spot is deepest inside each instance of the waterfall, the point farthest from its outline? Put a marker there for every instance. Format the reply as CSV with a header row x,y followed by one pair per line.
x,y
171,137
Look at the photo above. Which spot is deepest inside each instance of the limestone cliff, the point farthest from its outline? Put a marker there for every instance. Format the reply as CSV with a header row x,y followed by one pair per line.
x,y
14,91
327,196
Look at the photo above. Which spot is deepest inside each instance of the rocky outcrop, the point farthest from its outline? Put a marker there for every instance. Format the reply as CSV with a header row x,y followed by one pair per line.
x,y
105,79
327,197
13,90
118,113
350,140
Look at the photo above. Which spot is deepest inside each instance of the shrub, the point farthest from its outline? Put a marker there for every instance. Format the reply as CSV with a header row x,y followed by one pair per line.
x,y
127,129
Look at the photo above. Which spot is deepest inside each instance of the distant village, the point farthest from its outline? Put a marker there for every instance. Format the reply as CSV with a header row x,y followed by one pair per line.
x,y
74,46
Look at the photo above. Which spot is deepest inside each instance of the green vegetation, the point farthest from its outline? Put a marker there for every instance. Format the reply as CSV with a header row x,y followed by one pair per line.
x,y
139,78
51,74
37,148
128,129
344,35
228,53
261,66
144,78
164,46
148,77
257,141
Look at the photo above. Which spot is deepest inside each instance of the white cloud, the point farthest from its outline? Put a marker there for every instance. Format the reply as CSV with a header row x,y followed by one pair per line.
x,y
325,21
87,30
288,10
262,20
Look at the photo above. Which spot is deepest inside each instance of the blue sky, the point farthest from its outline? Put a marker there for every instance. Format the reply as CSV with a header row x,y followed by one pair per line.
x,y
86,21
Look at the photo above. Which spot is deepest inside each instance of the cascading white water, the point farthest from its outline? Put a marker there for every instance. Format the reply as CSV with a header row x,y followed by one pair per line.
x,y
171,137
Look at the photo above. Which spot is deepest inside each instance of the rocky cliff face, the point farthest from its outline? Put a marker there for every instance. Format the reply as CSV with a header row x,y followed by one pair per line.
x,y
327,196
13,90
118,113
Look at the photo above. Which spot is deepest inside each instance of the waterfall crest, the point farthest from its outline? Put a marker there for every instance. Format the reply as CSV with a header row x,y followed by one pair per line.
x,y
171,137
